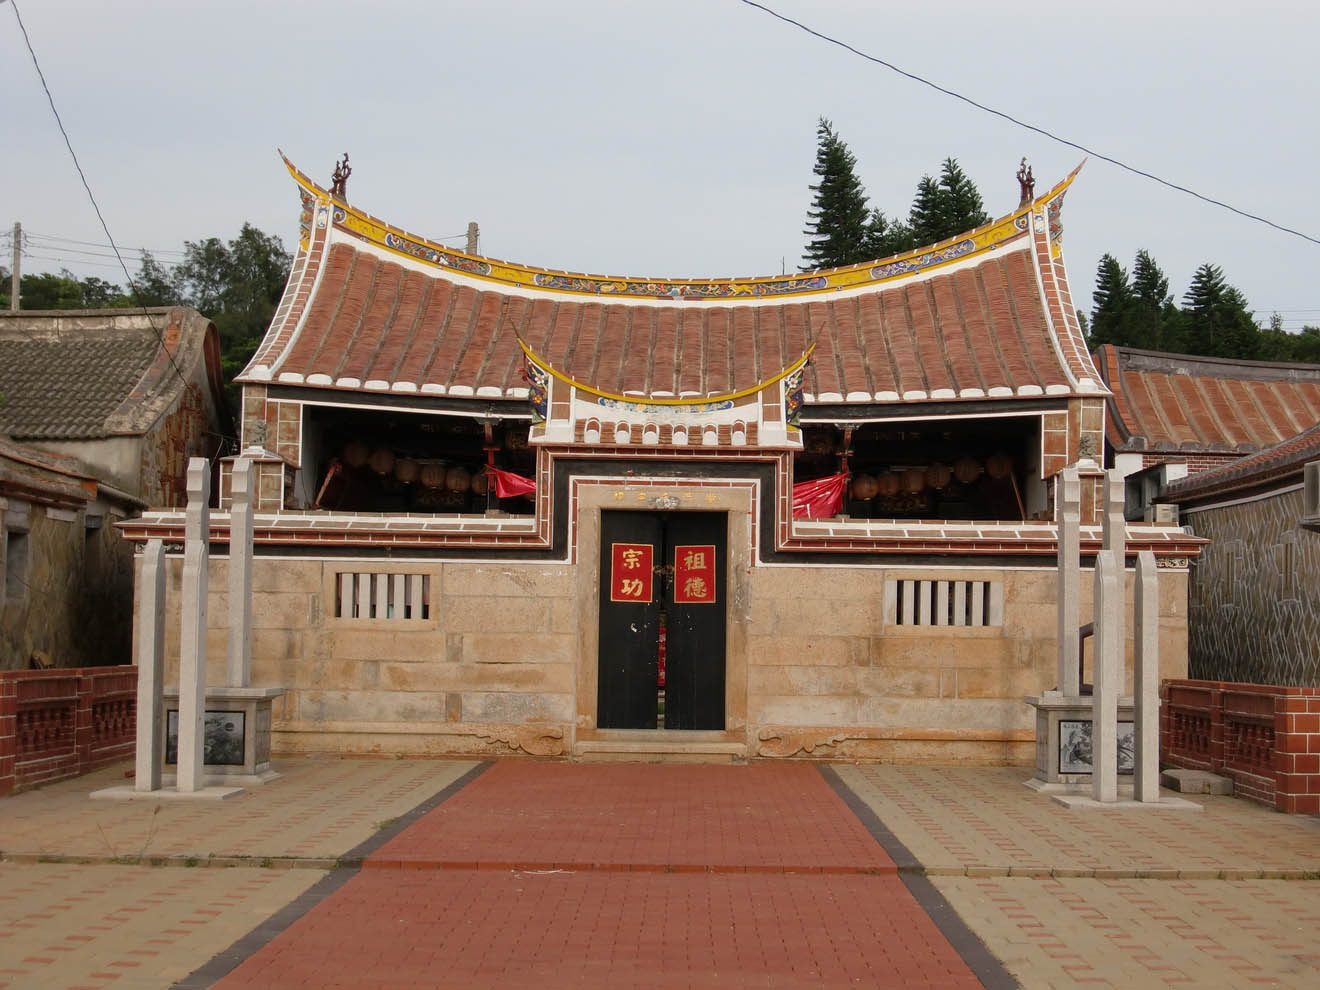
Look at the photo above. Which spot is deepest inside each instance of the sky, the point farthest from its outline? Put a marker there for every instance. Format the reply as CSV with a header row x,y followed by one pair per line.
x,y
664,137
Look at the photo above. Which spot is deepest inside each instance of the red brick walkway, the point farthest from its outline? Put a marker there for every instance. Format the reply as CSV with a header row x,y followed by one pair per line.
x,y
563,875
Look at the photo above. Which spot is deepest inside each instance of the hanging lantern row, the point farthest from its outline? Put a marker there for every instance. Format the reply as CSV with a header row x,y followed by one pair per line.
x,y
408,470
914,480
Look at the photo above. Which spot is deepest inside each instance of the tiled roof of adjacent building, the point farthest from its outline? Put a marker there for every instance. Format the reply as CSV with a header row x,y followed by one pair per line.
x,y
1177,402
88,374
986,315
1281,462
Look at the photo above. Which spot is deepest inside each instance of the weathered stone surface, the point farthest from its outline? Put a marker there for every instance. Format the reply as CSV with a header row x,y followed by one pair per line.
x,y
508,580
791,583
274,574
388,642
816,651
516,709
797,710
900,682
482,613
947,713
511,648
377,706
767,681
552,677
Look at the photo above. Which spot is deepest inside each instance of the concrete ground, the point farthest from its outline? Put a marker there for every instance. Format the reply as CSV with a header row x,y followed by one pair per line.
x,y
382,872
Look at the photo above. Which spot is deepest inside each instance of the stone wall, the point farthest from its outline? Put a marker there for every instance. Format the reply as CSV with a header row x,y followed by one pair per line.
x,y
1255,613
72,597
490,669
499,661
832,674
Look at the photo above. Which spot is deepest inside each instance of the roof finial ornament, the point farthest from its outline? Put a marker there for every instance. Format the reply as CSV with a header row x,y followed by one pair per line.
x,y
339,178
1026,182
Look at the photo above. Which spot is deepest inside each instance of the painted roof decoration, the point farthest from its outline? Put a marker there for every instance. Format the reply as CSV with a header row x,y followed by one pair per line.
x,y
1260,470
89,374
1177,402
984,315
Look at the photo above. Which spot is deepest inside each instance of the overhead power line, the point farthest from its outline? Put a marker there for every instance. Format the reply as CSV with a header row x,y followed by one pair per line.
x,y
1030,127
100,244
81,175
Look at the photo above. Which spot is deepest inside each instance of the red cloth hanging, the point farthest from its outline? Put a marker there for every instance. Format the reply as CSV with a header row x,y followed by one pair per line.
x,y
508,484
819,499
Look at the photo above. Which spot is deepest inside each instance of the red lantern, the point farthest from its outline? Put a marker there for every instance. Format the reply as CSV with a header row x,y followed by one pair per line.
x,y
999,465
356,453
433,475
967,469
938,475
864,487
914,480
381,460
480,483
458,479
890,483
406,470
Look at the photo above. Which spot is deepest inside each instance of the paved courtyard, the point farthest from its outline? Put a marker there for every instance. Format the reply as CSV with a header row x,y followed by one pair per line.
x,y
410,873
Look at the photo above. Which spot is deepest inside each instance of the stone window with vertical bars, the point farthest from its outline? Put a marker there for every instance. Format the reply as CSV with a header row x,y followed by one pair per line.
x,y
943,603
366,595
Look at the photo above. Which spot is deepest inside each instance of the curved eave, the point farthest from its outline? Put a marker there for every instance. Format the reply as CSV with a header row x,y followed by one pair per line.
x,y
960,248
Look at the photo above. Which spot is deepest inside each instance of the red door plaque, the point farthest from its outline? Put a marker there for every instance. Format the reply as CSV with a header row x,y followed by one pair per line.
x,y
694,575
631,572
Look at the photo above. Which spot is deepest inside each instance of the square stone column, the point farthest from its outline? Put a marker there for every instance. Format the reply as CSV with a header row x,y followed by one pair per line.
x,y
151,666
1068,518
1108,673
192,635
1146,680
238,664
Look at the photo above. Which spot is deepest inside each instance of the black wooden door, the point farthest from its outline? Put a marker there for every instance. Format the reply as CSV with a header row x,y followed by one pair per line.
x,y
631,549
656,567
694,630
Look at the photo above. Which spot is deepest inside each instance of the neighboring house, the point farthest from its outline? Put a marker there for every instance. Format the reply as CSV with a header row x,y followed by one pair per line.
x,y
1255,594
505,507
1174,415
101,410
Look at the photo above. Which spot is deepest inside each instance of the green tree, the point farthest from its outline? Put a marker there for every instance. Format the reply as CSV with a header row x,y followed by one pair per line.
x,y
1113,304
1277,344
237,285
925,217
885,237
947,207
838,223
154,285
962,206
1154,320
1216,321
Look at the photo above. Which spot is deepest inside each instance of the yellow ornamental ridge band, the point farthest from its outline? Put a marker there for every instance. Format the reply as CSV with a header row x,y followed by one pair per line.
x,y
644,400
880,271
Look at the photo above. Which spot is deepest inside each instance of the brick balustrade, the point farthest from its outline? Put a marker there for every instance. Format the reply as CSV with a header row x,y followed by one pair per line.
x,y
61,723
1267,739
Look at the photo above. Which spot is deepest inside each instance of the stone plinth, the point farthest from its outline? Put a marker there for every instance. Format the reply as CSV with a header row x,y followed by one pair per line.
x,y
237,733
1058,749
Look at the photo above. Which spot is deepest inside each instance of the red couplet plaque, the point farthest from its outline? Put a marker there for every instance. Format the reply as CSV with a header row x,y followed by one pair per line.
x,y
630,572
694,575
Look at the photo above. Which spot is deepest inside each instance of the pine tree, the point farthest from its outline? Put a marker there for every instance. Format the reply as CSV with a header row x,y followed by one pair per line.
x,y
1154,317
963,209
946,208
1217,322
926,218
838,222
886,237
1113,304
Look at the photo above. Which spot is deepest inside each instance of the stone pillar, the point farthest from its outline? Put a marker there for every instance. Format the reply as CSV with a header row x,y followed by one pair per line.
x,y
151,666
1146,680
1108,672
192,639
238,665
1113,523
1068,515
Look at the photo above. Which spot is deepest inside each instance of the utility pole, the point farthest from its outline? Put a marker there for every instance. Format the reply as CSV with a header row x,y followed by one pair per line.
x,y
472,238
13,272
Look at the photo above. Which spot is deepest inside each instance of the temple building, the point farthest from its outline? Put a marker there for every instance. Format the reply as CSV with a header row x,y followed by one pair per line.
x,y
506,508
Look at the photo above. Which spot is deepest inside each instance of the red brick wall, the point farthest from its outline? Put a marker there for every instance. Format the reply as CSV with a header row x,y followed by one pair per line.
x,y
1267,739
56,724
1196,463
